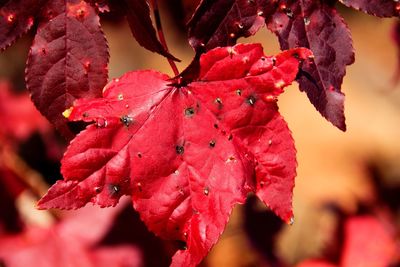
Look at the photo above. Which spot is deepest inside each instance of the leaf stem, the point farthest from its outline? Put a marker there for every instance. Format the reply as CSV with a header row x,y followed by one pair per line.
x,y
161,35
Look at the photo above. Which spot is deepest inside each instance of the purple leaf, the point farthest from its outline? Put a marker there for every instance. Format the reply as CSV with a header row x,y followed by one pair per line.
x,y
319,27
16,18
138,16
68,59
379,8
222,22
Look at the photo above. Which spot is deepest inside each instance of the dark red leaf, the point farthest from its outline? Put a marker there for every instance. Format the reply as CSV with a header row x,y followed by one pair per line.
x,y
68,59
222,22
10,181
317,26
16,18
10,188
138,16
186,154
379,8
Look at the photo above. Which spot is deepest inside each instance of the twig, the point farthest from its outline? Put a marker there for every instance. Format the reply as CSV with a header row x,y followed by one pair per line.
x,y
29,177
32,179
161,35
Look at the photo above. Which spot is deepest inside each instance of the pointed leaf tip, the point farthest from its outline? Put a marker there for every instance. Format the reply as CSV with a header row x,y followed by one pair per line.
x,y
139,20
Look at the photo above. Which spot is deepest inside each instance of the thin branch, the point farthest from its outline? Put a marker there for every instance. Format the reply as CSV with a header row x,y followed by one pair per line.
x,y
30,178
161,35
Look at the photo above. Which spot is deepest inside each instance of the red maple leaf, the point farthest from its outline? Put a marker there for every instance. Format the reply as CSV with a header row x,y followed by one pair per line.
x,y
368,242
186,153
71,242
14,111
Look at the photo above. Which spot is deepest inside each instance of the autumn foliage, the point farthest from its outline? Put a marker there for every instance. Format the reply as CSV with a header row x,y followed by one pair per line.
x,y
186,148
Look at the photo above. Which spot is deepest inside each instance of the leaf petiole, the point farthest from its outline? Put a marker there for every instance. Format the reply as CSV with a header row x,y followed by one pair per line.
x,y
161,35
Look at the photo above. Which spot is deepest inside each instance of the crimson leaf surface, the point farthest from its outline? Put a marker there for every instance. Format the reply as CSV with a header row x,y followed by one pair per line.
x,y
186,153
